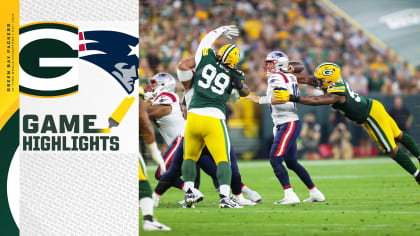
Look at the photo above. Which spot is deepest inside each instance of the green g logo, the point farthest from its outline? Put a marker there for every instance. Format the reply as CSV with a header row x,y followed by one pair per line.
x,y
48,59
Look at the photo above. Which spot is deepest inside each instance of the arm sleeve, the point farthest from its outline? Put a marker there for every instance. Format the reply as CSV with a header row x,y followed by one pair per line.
x,y
206,42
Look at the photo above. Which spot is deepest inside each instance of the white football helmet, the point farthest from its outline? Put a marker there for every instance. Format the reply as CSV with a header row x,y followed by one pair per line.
x,y
276,61
162,81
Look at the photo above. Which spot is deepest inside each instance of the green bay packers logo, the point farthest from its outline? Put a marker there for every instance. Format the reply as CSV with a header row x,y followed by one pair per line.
x,y
48,59
327,72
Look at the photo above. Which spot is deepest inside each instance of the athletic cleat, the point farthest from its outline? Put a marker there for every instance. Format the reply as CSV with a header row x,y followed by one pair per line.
x,y
189,199
198,196
156,199
242,201
227,202
154,226
289,198
315,196
418,178
253,196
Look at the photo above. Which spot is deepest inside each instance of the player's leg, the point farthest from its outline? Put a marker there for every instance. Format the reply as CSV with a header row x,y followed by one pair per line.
x,y
276,160
168,158
216,138
282,140
404,139
172,175
146,202
207,164
237,185
193,145
383,130
290,158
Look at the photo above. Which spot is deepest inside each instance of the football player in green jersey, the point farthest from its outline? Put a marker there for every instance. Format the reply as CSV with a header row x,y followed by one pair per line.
x,y
369,112
213,80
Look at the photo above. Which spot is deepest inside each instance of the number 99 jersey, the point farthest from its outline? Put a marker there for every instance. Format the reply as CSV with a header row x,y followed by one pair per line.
x,y
212,86
356,107
282,113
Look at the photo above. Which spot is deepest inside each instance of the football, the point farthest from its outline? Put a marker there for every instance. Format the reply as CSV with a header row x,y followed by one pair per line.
x,y
298,66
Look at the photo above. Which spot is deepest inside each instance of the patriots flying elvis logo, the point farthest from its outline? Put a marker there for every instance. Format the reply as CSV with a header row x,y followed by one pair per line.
x,y
114,52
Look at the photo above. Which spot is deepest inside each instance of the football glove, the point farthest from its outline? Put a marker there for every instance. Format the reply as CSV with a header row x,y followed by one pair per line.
x,y
237,82
229,31
283,95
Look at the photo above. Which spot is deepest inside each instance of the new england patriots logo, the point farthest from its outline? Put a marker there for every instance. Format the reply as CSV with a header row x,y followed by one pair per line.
x,y
115,52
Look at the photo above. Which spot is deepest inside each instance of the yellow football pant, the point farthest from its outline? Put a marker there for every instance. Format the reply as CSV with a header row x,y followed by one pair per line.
x,y
142,170
208,131
381,127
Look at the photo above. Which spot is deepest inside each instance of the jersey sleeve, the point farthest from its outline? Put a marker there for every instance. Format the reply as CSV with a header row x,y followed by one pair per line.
x,y
164,98
206,42
337,88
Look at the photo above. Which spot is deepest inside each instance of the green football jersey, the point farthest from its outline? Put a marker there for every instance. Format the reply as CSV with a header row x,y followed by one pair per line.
x,y
212,83
356,107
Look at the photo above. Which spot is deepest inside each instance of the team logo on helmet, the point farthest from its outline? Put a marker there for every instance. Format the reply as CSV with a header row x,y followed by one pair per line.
x,y
327,72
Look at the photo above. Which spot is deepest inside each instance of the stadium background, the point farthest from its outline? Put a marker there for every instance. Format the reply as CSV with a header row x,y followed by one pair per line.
x,y
377,61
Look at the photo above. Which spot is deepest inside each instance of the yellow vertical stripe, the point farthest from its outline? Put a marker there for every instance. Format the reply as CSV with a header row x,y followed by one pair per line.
x,y
9,56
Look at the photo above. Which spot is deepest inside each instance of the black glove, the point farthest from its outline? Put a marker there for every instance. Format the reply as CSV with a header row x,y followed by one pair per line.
x,y
236,78
236,82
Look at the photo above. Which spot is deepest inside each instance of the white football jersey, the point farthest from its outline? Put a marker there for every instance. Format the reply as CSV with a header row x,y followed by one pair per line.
x,y
282,113
173,124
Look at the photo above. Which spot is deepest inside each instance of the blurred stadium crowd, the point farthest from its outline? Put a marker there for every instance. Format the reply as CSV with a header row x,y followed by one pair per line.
x,y
303,29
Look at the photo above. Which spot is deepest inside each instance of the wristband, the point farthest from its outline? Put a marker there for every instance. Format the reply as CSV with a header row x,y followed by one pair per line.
x,y
294,98
184,75
264,100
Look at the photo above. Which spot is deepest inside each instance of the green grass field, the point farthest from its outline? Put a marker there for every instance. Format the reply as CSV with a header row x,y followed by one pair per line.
x,y
364,197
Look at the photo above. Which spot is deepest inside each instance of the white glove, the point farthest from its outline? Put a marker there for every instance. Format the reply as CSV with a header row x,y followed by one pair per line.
x,y
157,156
229,31
162,168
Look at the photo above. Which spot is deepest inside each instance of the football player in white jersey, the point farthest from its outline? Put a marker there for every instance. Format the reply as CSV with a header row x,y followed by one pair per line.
x,y
166,112
286,128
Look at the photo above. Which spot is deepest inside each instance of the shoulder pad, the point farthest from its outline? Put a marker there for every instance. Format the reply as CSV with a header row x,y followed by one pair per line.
x,y
165,98
207,51
337,88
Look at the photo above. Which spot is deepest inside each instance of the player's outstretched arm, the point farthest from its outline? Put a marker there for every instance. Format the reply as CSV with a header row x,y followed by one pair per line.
x,y
326,99
307,79
283,96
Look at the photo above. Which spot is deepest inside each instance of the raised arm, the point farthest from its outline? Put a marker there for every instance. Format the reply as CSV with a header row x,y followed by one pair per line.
x,y
228,31
307,79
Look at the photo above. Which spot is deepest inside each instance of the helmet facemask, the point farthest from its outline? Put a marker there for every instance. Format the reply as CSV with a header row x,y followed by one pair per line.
x,y
162,81
276,62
